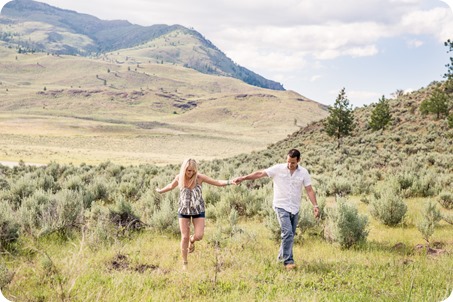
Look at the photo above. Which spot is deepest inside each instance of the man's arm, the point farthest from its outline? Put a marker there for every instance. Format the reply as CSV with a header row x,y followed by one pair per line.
x,y
251,176
312,196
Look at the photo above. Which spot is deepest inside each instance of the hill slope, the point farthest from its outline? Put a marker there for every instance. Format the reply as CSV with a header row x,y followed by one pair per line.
x,y
35,26
415,151
125,108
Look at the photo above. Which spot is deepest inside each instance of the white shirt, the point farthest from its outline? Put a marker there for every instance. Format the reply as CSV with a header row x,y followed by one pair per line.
x,y
287,187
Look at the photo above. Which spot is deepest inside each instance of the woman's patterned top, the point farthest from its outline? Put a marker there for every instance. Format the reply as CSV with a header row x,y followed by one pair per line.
x,y
191,201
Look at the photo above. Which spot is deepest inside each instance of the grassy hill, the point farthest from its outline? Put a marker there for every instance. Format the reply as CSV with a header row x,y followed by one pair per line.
x,y
125,108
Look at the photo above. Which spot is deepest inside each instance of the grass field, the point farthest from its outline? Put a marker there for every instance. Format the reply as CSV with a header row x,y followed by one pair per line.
x,y
236,266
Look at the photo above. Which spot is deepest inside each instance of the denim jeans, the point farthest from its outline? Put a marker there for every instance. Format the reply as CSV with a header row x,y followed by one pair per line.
x,y
288,224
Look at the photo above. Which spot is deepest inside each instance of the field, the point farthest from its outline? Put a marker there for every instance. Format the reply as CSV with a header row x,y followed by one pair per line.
x,y
236,266
124,108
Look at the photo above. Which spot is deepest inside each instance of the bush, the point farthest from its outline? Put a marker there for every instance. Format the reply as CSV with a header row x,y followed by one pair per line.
x,y
165,218
344,225
100,229
271,221
430,218
446,200
9,228
22,188
44,213
387,204
339,186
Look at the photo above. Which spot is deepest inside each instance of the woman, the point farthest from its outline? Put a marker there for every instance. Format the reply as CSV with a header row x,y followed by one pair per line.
x,y
191,203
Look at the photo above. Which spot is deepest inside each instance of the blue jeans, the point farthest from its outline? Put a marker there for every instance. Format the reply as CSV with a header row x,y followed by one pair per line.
x,y
288,224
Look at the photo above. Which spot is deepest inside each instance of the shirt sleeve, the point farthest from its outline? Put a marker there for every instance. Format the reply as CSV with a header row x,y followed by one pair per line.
x,y
307,178
272,171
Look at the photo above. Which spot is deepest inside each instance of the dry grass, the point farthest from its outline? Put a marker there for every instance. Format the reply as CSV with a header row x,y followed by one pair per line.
x,y
57,108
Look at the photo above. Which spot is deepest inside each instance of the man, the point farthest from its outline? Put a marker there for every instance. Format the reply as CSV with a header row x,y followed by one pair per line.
x,y
288,181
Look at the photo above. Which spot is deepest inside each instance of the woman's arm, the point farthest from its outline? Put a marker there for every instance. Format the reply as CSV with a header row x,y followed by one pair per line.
x,y
214,182
170,186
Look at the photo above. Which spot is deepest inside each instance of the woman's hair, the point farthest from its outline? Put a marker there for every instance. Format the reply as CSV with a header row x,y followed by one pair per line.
x,y
182,173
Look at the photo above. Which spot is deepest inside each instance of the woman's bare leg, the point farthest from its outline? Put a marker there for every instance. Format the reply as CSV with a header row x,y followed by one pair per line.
x,y
198,225
184,226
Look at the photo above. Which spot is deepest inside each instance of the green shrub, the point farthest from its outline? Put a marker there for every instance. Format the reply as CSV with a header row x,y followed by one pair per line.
x,y
165,219
44,212
339,185
430,218
307,219
387,204
9,228
344,225
99,228
271,221
20,189
5,277
446,200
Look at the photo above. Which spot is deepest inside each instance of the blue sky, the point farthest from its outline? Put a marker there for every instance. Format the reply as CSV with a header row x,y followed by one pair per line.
x,y
314,47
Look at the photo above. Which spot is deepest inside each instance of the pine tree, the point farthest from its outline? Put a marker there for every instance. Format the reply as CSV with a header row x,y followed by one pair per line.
x,y
438,103
380,116
340,122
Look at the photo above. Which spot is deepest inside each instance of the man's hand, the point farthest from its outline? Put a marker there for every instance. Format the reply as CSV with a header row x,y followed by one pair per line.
x,y
316,211
237,180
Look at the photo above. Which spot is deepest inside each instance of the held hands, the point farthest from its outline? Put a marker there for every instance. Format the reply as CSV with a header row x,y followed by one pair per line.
x,y
237,180
316,211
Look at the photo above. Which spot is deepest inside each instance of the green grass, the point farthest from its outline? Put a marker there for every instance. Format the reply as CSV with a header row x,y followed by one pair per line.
x,y
243,268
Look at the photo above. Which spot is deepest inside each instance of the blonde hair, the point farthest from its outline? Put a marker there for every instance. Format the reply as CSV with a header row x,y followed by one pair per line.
x,y
182,173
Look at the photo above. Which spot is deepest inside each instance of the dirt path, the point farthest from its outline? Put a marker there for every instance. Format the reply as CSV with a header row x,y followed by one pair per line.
x,y
12,164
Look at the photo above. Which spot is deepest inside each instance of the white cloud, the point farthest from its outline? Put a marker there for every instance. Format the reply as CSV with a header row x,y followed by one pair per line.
x,y
414,43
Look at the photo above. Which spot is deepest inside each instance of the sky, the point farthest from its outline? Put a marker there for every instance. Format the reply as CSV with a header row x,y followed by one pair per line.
x,y
372,48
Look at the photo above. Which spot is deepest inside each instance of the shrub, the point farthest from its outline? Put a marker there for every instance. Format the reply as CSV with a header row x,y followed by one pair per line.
x,y
5,277
44,213
22,188
387,204
430,218
339,185
307,219
9,228
446,200
271,221
344,225
165,218
100,229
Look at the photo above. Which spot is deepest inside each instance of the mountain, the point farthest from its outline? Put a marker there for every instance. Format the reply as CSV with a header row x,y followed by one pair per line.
x,y
32,26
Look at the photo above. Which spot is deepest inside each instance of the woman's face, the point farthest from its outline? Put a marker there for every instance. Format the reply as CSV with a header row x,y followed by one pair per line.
x,y
190,172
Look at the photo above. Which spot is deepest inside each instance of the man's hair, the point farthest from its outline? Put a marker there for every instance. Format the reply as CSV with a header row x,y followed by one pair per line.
x,y
294,153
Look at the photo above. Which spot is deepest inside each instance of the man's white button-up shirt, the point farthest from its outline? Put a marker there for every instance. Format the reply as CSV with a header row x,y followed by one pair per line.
x,y
287,187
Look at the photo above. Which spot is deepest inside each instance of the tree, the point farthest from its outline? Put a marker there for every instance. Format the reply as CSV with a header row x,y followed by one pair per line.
x,y
449,74
438,103
340,121
380,116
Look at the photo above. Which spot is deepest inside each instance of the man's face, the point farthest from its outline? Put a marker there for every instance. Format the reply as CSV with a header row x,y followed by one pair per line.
x,y
292,162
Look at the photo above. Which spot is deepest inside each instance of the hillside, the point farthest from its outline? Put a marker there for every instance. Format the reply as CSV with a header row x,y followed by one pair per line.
x,y
31,26
416,151
123,107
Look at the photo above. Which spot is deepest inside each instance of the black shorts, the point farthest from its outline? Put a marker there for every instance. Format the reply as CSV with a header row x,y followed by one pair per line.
x,y
201,215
